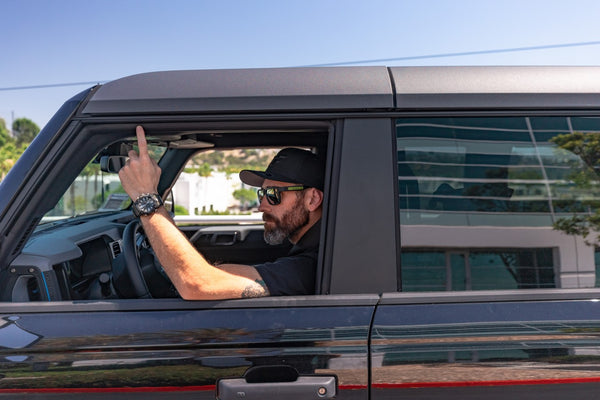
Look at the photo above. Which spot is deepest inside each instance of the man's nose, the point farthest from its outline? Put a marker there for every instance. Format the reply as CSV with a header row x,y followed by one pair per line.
x,y
263,204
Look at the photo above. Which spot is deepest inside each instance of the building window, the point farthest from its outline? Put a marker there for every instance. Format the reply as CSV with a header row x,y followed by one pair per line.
x,y
518,184
457,270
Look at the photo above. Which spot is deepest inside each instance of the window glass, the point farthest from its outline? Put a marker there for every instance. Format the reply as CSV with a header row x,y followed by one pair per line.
x,y
457,270
524,187
94,190
423,271
526,269
210,185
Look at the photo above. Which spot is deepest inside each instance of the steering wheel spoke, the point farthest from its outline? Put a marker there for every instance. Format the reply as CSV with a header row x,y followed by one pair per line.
x,y
139,274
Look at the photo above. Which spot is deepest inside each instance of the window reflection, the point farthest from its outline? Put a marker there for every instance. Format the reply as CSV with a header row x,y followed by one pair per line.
x,y
503,183
453,269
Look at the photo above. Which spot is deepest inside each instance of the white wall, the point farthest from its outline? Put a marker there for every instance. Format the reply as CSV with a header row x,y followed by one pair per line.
x,y
193,191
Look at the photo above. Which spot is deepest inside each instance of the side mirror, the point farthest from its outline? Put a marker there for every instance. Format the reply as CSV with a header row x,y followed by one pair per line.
x,y
112,163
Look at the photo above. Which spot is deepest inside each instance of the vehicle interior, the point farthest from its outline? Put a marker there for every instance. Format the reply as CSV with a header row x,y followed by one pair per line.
x,y
87,245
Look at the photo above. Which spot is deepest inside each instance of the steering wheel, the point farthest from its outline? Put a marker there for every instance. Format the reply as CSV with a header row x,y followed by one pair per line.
x,y
131,253
140,275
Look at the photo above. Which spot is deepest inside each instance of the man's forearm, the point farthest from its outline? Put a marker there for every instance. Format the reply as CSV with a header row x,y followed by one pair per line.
x,y
174,251
193,276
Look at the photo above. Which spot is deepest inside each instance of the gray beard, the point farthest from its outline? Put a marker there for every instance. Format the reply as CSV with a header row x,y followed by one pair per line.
x,y
275,236
288,225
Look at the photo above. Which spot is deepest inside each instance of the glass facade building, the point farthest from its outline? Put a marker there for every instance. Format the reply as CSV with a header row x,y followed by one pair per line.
x,y
492,203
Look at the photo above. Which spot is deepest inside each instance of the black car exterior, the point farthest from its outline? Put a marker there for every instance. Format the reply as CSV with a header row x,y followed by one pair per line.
x,y
441,270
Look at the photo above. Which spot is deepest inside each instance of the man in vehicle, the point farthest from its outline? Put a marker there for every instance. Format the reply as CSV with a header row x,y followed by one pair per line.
x,y
290,197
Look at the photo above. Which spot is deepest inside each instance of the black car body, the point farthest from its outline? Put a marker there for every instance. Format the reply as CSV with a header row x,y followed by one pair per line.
x,y
442,272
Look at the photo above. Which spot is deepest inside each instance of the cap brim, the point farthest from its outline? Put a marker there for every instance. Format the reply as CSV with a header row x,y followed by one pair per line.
x,y
252,178
256,178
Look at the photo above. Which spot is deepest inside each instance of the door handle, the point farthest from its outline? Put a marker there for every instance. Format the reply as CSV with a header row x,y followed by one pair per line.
x,y
281,381
224,238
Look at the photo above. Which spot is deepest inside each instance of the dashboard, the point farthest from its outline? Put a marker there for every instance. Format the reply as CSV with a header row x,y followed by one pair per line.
x,y
70,259
83,258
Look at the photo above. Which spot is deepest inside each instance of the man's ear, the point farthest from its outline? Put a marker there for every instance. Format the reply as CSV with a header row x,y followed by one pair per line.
x,y
314,199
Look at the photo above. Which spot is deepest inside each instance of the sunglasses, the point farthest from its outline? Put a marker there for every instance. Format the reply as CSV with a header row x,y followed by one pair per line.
x,y
273,193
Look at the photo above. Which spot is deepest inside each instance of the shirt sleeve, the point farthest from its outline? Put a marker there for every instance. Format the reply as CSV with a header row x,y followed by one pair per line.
x,y
291,275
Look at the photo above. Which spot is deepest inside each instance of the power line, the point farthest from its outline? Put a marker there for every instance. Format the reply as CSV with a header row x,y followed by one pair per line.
x,y
461,54
52,85
379,60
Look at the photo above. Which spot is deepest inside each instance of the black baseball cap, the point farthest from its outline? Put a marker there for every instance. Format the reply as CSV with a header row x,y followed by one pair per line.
x,y
290,165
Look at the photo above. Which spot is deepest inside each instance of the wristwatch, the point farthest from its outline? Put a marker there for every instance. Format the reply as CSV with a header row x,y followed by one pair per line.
x,y
146,204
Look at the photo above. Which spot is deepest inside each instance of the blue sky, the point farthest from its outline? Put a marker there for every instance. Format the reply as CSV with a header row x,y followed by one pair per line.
x,y
67,41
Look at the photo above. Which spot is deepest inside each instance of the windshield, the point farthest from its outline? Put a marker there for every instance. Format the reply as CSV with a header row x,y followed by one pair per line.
x,y
93,191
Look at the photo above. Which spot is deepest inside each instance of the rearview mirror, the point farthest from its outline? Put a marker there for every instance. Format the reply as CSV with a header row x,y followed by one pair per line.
x,y
112,163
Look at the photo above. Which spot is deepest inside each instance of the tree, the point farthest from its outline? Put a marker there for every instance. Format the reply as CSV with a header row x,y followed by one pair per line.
x,y
204,170
8,157
245,196
89,171
9,153
24,130
586,212
4,133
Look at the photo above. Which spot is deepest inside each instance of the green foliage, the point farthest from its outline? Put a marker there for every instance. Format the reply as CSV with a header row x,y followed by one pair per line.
x,y
203,169
234,161
584,144
245,196
90,170
212,211
10,151
24,130
210,157
8,157
181,210
586,213
4,133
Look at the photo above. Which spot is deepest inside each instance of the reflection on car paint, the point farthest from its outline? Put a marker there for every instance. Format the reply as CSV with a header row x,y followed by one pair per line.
x,y
12,336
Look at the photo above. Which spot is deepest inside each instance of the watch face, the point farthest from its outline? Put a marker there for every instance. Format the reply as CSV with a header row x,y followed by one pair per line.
x,y
146,204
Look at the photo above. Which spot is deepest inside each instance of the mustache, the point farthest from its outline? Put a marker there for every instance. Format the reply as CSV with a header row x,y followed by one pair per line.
x,y
268,218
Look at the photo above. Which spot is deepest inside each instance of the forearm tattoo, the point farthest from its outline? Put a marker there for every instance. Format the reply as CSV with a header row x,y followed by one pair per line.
x,y
257,289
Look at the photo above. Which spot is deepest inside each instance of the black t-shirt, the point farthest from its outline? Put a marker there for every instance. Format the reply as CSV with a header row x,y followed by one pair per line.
x,y
295,273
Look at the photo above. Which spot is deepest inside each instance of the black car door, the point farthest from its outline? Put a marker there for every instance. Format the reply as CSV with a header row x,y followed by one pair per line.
x,y
312,345
493,345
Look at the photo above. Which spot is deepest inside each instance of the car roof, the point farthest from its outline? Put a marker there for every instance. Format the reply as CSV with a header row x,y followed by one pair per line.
x,y
346,88
240,90
514,87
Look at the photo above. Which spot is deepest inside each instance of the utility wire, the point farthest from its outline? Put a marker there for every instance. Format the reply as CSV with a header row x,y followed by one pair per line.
x,y
52,85
466,53
410,58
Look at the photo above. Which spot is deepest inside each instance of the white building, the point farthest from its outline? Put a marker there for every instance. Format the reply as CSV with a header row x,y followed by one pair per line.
x,y
197,193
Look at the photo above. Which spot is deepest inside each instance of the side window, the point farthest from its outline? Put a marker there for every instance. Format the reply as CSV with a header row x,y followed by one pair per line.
x,y
498,203
94,190
210,186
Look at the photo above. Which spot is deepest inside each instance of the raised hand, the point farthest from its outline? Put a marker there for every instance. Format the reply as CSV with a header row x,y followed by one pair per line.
x,y
141,173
